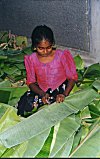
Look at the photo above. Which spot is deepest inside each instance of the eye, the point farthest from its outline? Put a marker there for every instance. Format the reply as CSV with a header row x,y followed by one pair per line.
x,y
41,48
49,47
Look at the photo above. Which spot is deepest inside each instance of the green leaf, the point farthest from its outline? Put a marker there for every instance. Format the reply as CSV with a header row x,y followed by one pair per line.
x,y
85,113
77,139
27,50
3,108
54,113
81,98
90,145
93,71
96,84
66,148
11,70
66,129
4,96
2,57
29,148
20,40
44,152
95,109
16,93
5,83
4,36
9,119
79,62
14,152
12,94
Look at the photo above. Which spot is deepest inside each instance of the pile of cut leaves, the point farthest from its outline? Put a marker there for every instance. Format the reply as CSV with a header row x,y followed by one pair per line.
x,y
69,129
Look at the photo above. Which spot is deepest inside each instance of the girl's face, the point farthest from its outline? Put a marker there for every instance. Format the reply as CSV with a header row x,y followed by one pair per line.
x,y
44,48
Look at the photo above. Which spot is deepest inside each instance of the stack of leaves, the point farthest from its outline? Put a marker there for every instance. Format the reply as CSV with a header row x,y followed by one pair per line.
x,y
11,44
12,71
68,129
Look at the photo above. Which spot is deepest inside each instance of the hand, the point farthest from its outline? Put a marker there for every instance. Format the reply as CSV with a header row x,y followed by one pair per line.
x,y
45,98
60,98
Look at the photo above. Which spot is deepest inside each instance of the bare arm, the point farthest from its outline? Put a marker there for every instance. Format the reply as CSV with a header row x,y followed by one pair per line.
x,y
45,96
61,97
70,86
35,88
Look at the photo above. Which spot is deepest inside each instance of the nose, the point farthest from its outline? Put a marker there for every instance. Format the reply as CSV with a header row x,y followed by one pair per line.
x,y
45,50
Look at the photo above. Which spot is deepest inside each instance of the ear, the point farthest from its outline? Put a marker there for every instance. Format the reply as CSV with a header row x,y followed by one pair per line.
x,y
34,49
54,47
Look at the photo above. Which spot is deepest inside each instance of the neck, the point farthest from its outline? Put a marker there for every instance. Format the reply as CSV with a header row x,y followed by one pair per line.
x,y
46,59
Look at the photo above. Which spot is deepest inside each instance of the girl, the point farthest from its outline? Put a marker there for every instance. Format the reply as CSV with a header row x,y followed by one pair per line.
x,y
49,71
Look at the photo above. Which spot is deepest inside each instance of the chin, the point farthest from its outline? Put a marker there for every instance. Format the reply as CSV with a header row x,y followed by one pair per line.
x,y
45,55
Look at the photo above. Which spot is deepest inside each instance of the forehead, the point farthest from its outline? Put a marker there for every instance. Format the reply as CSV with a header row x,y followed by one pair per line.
x,y
44,43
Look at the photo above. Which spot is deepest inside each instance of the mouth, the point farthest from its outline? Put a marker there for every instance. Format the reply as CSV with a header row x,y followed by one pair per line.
x,y
45,55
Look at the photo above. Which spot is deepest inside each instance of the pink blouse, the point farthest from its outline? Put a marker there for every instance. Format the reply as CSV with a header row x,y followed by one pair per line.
x,y
51,74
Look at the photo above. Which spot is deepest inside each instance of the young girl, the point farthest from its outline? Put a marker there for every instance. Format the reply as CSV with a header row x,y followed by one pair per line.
x,y
48,69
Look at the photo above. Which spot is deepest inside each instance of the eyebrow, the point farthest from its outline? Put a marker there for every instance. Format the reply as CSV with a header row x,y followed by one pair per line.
x,y
44,47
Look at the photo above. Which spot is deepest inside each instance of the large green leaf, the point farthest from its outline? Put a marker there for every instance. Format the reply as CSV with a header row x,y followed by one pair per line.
x,y
70,122
5,83
44,152
29,148
96,84
66,148
93,71
54,113
12,94
4,96
3,108
81,98
66,129
79,62
9,119
90,145
16,93
94,108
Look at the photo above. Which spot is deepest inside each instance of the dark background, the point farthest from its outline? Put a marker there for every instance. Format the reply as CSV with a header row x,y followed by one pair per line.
x,y
69,19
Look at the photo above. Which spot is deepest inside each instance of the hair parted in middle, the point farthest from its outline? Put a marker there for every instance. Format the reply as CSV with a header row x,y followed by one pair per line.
x,y
42,32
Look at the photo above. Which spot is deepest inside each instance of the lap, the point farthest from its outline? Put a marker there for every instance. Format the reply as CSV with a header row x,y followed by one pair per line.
x,y
30,100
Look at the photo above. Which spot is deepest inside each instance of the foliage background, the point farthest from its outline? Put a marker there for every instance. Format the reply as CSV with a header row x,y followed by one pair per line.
x,y
69,129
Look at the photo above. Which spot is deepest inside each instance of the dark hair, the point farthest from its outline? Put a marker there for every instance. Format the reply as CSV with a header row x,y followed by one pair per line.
x,y
42,32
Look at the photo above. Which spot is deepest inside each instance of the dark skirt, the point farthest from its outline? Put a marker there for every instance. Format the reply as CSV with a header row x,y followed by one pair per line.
x,y
32,101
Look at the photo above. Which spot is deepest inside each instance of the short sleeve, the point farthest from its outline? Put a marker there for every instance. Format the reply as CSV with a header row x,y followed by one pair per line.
x,y
69,65
30,73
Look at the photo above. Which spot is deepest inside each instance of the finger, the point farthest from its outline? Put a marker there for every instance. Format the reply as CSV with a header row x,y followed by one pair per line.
x,y
62,99
44,100
58,99
47,95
